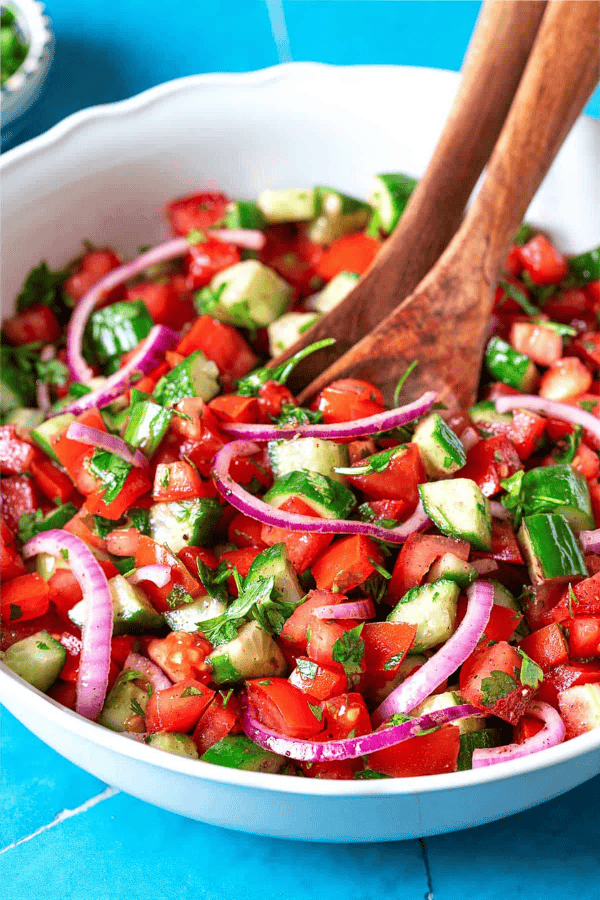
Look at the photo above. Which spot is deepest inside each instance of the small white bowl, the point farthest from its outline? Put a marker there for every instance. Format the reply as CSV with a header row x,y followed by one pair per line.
x,y
24,88
105,174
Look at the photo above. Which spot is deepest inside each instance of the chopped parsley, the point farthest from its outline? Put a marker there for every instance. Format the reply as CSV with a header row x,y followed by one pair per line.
x,y
349,650
495,687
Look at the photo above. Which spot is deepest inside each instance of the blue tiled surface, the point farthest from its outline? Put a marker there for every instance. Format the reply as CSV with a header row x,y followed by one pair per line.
x,y
118,848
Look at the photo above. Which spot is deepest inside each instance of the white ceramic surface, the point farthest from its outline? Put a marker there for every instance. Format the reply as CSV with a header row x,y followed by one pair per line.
x,y
105,175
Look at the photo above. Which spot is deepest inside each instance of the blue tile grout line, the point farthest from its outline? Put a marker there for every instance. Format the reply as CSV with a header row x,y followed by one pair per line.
x,y
279,30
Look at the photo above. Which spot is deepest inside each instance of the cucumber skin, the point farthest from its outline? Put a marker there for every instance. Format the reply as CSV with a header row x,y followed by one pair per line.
x,y
236,751
37,659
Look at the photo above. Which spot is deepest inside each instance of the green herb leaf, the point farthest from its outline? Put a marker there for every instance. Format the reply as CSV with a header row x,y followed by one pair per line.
x,y
316,711
349,650
251,384
111,471
519,297
497,686
297,415
402,381
531,674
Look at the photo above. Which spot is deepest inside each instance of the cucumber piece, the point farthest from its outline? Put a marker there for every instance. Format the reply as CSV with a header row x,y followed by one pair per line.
x,y
25,418
173,742
46,565
329,498
195,376
49,431
550,549
376,695
390,194
338,214
37,659
503,597
251,654
146,426
467,725
454,569
179,523
126,701
558,489
189,616
118,328
244,214
441,449
288,204
432,608
507,365
308,454
132,611
288,329
484,416
476,740
334,292
274,562
248,294
236,751
459,509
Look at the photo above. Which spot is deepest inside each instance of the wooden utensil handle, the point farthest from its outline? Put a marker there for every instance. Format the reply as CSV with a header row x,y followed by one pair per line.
x,y
562,71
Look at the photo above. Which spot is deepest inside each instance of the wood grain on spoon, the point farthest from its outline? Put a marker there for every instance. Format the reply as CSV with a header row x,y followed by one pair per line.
x,y
495,60
444,323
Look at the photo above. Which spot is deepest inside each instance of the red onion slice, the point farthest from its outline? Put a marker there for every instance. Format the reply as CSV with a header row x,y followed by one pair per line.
x,y
247,238
157,574
96,632
590,541
85,434
553,408
42,388
457,648
385,421
144,361
151,672
552,733
350,748
355,609
500,512
268,515
469,438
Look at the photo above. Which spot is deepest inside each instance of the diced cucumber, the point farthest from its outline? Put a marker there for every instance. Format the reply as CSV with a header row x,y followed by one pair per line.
x,y
236,751
126,701
195,376
37,659
459,509
390,194
189,616
327,497
441,449
503,597
25,418
244,214
146,426
173,742
274,562
118,328
484,416
49,431
432,608
132,611
377,695
288,204
580,708
476,740
251,654
308,454
338,214
454,569
248,294
509,366
334,292
445,701
558,489
550,549
288,329
46,565
178,523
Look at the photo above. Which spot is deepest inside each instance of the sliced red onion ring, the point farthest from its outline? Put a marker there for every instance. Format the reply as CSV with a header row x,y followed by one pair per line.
x,y
385,421
247,238
350,748
268,515
96,632
85,434
42,388
552,733
590,540
500,512
457,648
139,736
484,566
469,438
145,360
553,408
157,574
354,609
151,672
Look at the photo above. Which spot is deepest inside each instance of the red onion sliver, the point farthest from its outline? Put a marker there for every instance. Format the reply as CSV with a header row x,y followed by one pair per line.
x,y
157,574
269,515
154,675
385,421
147,357
469,438
354,609
590,541
85,434
500,512
42,388
247,238
485,566
96,632
553,408
552,733
457,648
350,748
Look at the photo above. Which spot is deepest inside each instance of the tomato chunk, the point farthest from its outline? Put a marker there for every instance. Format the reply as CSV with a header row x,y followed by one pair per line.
x,y
177,708
429,754
347,563
282,706
25,597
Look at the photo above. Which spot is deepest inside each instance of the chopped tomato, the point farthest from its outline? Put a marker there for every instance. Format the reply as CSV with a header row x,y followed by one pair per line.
x,y
344,716
19,496
416,557
205,259
221,343
398,481
566,379
232,408
165,303
136,484
240,560
196,211
25,597
179,481
318,681
94,265
189,556
349,399
350,253
36,323
177,708
490,680
582,599
386,645
283,707
524,430
489,462
583,636
303,547
220,718
11,564
428,754
245,532
565,676
293,636
149,553
181,656
16,454
123,541
272,396
505,547
547,647
326,639
347,563
541,344
542,261
501,624
51,480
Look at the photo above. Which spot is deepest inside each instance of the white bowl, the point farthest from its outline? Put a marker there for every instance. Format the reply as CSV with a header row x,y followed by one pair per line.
x,y
105,174
23,89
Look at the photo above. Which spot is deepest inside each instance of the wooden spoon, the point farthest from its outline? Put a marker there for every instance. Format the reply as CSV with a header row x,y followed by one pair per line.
x,y
444,323
491,71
